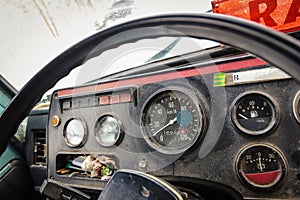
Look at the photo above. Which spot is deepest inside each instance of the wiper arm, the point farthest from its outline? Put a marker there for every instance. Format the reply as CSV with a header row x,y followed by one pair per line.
x,y
164,52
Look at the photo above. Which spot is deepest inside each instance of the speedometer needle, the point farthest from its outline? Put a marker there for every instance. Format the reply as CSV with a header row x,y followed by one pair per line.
x,y
172,121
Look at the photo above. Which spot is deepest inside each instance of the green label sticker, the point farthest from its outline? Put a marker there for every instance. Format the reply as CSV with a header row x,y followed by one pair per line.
x,y
219,79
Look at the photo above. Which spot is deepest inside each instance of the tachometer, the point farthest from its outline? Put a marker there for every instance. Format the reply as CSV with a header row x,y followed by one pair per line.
x,y
254,113
261,166
172,121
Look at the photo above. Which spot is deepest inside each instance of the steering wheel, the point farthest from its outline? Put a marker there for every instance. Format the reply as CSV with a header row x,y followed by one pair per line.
x,y
274,47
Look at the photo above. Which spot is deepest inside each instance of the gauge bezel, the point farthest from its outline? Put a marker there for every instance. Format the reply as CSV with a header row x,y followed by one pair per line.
x,y
120,134
274,107
83,141
295,106
195,99
270,187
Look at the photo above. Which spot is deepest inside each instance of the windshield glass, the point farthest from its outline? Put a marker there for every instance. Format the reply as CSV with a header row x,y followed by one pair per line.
x,y
133,56
37,31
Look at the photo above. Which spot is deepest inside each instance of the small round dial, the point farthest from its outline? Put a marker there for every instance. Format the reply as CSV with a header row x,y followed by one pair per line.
x,y
254,113
75,133
296,107
108,130
172,121
261,167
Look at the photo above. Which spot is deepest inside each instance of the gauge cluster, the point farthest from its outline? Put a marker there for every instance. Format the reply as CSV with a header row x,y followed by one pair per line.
x,y
165,128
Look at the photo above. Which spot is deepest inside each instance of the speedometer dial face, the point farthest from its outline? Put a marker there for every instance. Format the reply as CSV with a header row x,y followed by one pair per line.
x,y
254,113
172,121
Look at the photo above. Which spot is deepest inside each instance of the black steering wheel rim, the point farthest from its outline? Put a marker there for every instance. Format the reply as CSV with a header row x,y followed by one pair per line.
x,y
276,48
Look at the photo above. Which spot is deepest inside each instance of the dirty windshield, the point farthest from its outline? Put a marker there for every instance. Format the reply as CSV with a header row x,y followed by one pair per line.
x,y
135,56
50,27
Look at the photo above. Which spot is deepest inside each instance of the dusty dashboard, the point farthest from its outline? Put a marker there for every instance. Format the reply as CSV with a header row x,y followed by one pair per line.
x,y
235,122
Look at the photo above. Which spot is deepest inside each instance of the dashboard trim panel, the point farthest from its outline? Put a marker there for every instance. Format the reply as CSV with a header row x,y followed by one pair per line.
x,y
242,64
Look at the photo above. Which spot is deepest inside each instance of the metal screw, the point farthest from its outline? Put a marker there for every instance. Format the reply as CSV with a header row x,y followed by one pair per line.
x,y
142,164
144,192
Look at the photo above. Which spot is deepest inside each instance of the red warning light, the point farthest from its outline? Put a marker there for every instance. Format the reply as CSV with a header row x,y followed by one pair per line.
x,y
103,100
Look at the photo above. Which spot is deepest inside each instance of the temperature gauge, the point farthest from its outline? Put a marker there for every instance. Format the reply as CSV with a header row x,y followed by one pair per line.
x,y
261,167
254,113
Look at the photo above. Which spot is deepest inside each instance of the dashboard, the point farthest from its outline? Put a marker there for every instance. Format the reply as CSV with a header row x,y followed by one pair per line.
x,y
234,122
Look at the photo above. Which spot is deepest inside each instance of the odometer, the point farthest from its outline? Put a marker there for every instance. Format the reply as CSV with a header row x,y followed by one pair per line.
x,y
172,121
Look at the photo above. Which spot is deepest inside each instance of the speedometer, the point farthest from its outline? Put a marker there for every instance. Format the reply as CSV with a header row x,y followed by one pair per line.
x,y
172,121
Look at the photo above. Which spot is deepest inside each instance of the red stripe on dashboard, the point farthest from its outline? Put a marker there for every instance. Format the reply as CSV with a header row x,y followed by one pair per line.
x,y
165,76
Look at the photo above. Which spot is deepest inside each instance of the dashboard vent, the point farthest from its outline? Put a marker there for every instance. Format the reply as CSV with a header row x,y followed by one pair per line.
x,y
40,149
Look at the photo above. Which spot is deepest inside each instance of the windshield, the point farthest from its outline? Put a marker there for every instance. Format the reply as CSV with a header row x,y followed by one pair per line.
x,y
132,56
36,31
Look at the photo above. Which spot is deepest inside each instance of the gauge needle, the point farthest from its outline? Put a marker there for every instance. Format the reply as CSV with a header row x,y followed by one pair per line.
x,y
243,116
172,121
259,163
72,133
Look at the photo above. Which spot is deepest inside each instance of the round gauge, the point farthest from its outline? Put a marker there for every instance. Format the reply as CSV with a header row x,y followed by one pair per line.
x,y
108,130
254,113
261,166
172,121
296,107
75,133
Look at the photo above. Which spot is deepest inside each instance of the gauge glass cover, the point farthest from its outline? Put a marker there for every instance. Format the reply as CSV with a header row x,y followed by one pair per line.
x,y
108,130
74,133
254,113
296,107
261,167
172,121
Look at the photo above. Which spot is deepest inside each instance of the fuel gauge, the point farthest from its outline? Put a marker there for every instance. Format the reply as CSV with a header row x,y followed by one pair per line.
x,y
254,113
261,167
